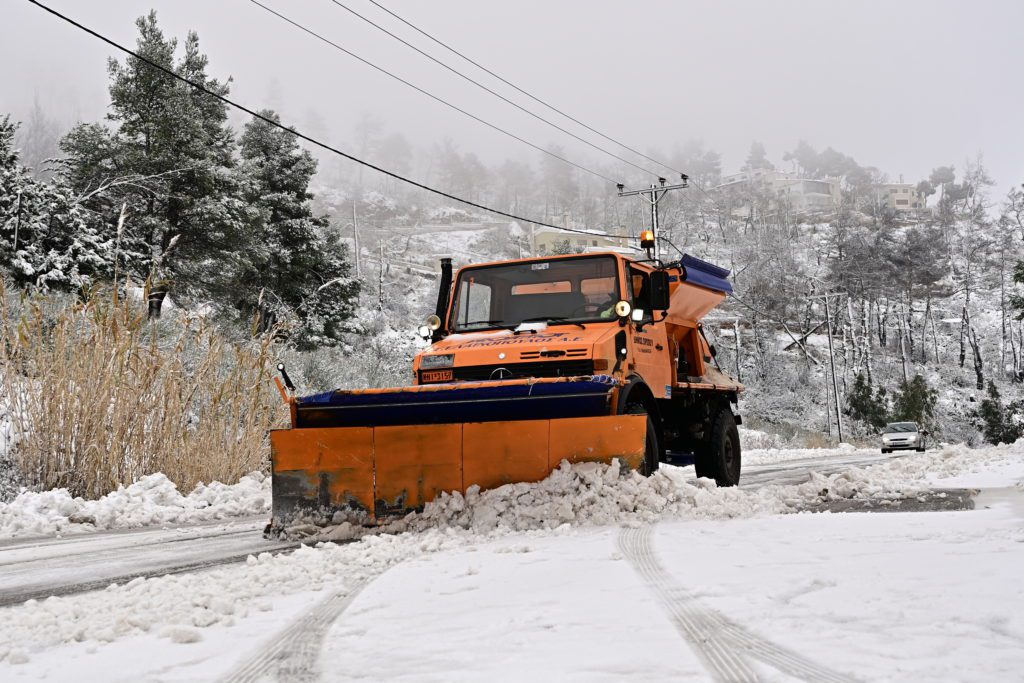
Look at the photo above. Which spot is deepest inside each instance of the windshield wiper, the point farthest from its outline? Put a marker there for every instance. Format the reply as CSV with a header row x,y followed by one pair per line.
x,y
496,323
556,319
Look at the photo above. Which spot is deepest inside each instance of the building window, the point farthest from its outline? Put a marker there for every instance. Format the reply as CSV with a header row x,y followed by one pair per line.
x,y
902,202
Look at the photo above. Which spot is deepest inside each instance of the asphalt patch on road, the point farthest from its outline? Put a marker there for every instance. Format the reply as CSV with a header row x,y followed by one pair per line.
x,y
935,500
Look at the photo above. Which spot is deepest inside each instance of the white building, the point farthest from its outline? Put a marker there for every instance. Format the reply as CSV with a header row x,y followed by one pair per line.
x,y
901,197
545,241
799,193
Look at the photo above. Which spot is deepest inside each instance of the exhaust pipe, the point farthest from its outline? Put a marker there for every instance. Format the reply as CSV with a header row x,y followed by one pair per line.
x,y
443,297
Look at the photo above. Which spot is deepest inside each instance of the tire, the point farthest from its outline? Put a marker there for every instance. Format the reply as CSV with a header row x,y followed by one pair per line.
x,y
652,449
920,450
721,457
886,450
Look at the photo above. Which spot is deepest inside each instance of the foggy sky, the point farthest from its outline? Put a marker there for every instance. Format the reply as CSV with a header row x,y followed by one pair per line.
x,y
904,86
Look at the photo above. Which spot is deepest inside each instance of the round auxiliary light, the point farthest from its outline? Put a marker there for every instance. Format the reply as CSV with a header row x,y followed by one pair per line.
x,y
622,309
434,323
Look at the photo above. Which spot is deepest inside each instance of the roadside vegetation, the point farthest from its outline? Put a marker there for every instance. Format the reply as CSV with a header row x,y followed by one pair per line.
x,y
96,395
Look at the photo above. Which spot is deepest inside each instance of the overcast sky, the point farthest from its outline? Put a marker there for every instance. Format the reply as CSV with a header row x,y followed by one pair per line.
x,y
901,85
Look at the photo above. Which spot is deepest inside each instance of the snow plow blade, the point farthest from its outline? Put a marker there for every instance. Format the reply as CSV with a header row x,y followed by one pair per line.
x,y
375,454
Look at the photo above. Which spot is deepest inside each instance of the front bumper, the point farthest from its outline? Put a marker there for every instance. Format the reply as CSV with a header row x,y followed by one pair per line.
x,y
903,445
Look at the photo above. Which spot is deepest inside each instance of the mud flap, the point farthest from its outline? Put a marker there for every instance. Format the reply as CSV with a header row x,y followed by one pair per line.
x,y
372,473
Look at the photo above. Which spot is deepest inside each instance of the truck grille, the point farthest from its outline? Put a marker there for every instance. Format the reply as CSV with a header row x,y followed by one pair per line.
x,y
565,368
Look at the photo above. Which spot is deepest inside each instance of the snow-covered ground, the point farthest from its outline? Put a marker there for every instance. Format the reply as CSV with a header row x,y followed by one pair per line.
x,y
152,500
590,575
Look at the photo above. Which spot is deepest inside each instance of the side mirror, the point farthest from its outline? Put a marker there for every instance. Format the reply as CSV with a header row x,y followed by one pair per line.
x,y
659,290
924,432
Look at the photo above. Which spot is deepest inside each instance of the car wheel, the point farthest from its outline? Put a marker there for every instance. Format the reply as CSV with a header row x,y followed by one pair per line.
x,y
920,449
886,450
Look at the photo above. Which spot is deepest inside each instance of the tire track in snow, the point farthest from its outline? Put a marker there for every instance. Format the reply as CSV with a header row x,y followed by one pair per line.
x,y
293,655
726,647
717,653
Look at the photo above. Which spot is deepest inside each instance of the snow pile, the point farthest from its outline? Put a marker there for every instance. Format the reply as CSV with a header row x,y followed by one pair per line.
x,y
153,499
593,494
755,439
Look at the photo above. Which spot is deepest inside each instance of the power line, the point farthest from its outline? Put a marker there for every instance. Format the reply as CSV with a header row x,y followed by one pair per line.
x,y
428,93
516,87
492,92
302,136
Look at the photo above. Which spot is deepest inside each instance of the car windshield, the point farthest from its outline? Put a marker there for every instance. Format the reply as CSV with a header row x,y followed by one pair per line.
x,y
565,290
901,427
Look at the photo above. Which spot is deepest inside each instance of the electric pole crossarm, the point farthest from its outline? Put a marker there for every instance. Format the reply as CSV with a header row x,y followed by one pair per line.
x,y
653,195
662,189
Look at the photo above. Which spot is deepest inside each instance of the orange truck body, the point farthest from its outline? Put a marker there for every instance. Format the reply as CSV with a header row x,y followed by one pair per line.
x,y
648,380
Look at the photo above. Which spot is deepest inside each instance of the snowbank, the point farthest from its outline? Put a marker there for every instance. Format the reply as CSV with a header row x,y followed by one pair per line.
x,y
152,500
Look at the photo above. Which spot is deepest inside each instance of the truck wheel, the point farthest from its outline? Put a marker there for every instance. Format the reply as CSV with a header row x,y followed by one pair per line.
x,y
652,450
720,457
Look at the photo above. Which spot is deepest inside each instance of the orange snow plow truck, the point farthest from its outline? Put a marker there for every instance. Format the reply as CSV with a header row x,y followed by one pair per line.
x,y
585,357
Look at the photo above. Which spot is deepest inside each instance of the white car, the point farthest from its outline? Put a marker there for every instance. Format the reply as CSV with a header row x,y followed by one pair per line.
x,y
903,436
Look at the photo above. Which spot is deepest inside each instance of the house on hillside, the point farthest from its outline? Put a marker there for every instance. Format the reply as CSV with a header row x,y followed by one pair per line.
x,y
797,192
545,241
900,197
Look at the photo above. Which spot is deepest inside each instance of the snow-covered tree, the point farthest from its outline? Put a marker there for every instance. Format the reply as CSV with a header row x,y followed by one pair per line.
x,y
46,240
170,157
293,267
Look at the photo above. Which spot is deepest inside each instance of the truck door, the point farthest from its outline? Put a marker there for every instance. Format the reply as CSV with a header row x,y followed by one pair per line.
x,y
649,347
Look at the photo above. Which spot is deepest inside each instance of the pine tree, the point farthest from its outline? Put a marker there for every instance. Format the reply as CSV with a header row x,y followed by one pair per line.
x,y
871,409
1000,424
169,156
915,401
45,239
293,269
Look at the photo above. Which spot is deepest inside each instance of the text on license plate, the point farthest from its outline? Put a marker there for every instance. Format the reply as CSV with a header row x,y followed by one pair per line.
x,y
436,376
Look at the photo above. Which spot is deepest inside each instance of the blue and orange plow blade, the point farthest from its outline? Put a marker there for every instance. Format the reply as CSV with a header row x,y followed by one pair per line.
x,y
361,458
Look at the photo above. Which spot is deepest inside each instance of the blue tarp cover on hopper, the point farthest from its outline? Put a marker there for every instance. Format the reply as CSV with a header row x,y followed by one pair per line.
x,y
705,274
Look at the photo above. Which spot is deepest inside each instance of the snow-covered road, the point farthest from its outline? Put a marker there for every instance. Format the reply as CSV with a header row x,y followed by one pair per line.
x,y
40,567
585,576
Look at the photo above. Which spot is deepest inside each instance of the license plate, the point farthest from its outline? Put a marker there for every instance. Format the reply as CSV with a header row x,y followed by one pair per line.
x,y
436,376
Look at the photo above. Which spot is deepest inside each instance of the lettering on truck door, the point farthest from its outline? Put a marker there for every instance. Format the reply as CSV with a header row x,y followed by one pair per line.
x,y
649,348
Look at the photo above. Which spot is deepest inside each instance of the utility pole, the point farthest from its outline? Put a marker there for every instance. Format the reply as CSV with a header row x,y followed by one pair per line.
x,y
355,234
653,195
380,278
832,361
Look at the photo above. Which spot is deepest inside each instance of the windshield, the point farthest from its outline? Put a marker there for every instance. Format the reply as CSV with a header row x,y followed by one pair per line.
x,y
901,427
573,290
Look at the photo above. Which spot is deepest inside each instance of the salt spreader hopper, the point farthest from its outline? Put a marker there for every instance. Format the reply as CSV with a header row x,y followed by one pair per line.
x,y
587,357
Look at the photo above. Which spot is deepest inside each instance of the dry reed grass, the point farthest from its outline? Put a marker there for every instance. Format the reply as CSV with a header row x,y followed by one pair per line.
x,y
99,396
